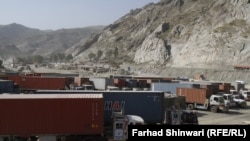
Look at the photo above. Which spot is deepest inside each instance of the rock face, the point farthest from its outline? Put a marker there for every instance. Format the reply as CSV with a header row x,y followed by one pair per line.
x,y
153,49
179,33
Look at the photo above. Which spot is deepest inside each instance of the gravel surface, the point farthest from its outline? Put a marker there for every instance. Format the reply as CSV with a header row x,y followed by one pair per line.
x,y
235,116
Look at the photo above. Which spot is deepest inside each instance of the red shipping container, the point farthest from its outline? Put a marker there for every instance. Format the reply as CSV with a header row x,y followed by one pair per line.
x,y
48,83
119,82
15,78
51,114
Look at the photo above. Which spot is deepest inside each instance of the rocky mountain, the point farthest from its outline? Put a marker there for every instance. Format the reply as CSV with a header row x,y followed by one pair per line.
x,y
176,33
168,38
18,40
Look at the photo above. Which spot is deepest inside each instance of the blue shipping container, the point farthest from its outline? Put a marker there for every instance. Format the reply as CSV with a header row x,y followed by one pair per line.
x,y
6,86
169,87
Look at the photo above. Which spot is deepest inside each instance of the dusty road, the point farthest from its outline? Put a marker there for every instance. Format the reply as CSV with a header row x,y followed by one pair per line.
x,y
234,116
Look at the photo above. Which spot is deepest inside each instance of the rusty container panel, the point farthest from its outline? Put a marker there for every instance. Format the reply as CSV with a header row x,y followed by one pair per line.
x,y
29,74
142,83
79,81
225,87
37,74
50,83
149,81
45,114
119,82
194,95
3,77
15,78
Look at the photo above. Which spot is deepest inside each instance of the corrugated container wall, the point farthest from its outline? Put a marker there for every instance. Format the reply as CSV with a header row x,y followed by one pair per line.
x,y
169,87
81,80
131,83
100,83
51,116
120,82
147,104
142,83
6,86
225,87
178,101
194,95
50,83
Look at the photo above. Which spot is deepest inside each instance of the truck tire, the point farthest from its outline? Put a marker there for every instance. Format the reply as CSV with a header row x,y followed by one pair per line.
x,y
214,109
190,106
243,105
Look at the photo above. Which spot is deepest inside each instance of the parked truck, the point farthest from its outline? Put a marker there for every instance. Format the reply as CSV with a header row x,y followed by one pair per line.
x,y
60,117
153,106
203,99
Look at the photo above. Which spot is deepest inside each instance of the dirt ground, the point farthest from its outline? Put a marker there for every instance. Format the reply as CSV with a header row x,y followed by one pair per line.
x,y
235,116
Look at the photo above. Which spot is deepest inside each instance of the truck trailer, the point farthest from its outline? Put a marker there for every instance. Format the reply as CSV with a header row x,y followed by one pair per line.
x,y
131,102
153,106
52,116
59,117
29,84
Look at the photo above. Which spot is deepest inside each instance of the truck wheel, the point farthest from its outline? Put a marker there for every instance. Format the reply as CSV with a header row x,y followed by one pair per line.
x,y
243,105
190,106
214,109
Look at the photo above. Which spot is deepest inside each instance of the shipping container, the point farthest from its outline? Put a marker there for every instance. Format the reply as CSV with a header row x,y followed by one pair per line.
x,y
131,83
179,102
214,86
119,82
51,114
225,87
142,83
169,87
194,95
31,83
147,104
79,81
6,86
101,83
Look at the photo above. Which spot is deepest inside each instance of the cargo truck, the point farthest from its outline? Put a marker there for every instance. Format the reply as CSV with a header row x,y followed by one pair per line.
x,y
59,117
153,106
131,102
199,98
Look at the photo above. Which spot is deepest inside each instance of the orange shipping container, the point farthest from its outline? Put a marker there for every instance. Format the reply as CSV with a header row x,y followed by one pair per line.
x,y
194,95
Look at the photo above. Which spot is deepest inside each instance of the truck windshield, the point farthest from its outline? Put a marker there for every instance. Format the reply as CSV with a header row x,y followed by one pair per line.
x,y
221,99
236,97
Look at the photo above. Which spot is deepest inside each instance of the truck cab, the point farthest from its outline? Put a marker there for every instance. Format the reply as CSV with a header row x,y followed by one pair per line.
x,y
120,125
246,94
217,103
239,102
228,98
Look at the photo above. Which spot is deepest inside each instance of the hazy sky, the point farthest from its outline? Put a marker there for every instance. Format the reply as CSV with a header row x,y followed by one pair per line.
x,y
57,14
